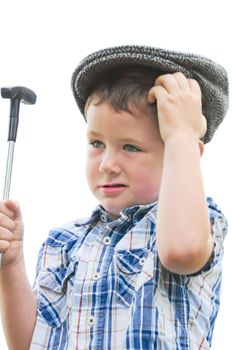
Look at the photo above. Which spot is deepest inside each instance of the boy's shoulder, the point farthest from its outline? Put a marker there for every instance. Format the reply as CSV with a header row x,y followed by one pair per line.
x,y
56,251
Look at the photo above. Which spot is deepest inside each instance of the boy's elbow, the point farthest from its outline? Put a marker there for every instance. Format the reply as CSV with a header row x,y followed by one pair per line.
x,y
186,260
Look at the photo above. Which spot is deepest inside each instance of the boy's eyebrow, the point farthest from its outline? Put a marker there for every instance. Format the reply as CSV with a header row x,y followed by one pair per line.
x,y
92,133
130,140
124,139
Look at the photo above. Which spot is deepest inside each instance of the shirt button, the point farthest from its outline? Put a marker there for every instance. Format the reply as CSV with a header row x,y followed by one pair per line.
x,y
142,261
103,218
107,240
96,276
91,321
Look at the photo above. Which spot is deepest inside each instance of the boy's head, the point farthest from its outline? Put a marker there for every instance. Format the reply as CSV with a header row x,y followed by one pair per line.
x,y
212,77
125,149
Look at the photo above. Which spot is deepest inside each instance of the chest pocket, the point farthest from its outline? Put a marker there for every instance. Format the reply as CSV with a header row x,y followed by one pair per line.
x,y
134,268
55,296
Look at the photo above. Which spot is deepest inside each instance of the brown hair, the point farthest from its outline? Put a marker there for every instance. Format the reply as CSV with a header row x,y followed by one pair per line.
x,y
124,88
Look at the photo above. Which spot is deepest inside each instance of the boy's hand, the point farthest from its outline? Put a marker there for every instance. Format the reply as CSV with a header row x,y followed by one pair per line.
x,y
11,232
179,106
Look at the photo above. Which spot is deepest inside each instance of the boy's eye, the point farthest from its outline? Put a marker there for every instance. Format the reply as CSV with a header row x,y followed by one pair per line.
x,y
97,144
131,148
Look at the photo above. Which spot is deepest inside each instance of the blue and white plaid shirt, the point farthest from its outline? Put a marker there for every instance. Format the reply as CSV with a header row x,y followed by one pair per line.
x,y
100,285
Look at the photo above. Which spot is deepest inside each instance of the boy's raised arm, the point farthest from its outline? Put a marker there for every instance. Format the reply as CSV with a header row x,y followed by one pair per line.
x,y
183,229
17,300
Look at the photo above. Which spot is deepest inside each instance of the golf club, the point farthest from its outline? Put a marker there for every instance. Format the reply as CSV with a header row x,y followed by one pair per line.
x,y
16,94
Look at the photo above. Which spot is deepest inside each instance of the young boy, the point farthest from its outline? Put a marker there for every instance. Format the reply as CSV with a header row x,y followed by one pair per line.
x,y
144,271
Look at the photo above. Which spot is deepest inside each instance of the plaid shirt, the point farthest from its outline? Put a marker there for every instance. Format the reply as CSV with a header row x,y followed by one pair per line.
x,y
100,285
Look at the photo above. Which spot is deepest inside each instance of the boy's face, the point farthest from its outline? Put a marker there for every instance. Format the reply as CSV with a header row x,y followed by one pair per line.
x,y
124,157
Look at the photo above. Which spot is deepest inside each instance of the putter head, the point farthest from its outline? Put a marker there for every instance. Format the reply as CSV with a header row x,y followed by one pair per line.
x,y
16,95
20,93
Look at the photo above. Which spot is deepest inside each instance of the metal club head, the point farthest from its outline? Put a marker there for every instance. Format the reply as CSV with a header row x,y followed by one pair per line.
x,y
17,94
20,93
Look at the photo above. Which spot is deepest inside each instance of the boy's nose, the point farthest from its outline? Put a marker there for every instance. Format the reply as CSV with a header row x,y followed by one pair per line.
x,y
109,163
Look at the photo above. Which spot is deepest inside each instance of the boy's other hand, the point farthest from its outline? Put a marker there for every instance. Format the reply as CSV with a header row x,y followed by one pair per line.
x,y
11,232
179,106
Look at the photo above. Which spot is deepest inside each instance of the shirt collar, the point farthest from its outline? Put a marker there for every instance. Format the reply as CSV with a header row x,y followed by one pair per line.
x,y
137,212
134,214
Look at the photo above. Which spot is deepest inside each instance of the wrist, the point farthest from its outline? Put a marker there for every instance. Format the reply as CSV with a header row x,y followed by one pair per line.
x,y
181,136
10,263
183,146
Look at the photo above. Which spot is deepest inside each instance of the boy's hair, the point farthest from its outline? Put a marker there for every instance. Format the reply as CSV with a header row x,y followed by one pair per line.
x,y
124,88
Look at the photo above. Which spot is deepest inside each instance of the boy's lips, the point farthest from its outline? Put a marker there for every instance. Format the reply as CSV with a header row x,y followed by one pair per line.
x,y
113,187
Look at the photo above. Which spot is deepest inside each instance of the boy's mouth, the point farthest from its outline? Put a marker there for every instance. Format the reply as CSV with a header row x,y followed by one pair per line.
x,y
113,188
114,185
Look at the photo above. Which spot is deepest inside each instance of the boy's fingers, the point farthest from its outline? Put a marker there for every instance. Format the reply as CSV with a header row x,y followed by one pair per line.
x,y
194,86
156,93
12,209
182,81
6,234
168,81
151,96
172,81
6,222
204,126
13,206
5,210
4,246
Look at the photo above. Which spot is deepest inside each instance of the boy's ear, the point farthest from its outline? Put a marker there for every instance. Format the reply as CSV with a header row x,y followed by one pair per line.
x,y
201,147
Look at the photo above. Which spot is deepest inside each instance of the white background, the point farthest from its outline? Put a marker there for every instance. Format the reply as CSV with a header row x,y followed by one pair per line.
x,y
41,43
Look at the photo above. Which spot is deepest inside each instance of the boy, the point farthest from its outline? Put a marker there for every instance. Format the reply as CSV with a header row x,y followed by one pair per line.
x,y
144,271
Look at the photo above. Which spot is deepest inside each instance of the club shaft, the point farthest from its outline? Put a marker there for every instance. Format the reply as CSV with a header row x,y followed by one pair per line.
x,y
9,164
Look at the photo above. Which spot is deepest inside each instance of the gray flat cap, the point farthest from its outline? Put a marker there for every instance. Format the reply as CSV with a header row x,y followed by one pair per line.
x,y
212,77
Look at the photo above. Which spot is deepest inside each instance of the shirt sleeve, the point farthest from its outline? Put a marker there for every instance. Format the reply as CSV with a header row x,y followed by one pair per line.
x,y
204,287
219,228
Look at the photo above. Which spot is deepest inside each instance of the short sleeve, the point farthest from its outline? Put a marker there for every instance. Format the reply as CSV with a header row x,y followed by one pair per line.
x,y
219,228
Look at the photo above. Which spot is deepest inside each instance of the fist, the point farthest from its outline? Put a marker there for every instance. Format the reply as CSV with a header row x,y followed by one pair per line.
x,y
11,231
179,106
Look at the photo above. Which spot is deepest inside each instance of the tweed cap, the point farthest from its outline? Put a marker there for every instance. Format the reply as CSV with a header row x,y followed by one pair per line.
x,y
212,77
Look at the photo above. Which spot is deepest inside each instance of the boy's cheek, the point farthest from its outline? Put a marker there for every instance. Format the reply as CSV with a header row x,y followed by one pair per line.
x,y
90,173
148,191
91,165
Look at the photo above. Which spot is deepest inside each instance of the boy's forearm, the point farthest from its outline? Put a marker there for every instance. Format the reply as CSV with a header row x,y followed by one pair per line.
x,y
183,228
18,306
